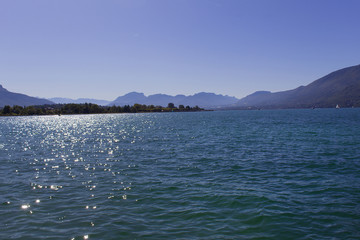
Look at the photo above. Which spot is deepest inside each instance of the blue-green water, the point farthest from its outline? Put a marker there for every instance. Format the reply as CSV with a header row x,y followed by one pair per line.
x,y
281,174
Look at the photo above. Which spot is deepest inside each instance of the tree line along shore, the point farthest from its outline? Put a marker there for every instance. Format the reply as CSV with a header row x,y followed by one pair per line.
x,y
90,108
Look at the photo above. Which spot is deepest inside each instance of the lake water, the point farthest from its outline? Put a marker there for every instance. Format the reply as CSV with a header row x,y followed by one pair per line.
x,y
280,174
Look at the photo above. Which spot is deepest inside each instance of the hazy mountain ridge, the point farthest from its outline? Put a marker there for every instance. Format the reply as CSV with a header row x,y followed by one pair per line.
x,y
60,100
341,87
11,98
201,99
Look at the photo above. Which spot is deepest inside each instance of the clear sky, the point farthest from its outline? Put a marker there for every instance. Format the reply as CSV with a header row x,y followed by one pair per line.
x,y
106,48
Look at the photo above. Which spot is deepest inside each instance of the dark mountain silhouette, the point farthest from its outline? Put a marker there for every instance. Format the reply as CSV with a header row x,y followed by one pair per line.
x,y
79,101
204,100
341,88
10,98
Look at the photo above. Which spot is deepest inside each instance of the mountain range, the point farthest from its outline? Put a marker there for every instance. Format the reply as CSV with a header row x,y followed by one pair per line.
x,y
202,99
341,88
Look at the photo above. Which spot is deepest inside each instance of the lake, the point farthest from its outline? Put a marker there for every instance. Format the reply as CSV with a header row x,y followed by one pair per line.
x,y
269,174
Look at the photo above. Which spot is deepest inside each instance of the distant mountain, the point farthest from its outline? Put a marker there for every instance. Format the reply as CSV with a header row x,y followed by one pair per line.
x,y
341,88
209,100
10,98
129,99
163,99
79,101
203,100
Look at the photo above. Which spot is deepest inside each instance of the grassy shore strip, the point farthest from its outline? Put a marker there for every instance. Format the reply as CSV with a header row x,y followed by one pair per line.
x,y
89,108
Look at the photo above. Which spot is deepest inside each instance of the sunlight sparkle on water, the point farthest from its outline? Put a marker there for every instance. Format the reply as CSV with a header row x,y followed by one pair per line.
x,y
25,206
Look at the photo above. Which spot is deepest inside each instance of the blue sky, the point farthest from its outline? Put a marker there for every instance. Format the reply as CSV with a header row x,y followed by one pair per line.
x,y
107,48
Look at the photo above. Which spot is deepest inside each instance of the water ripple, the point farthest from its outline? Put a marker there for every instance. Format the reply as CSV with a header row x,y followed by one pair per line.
x,y
290,174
